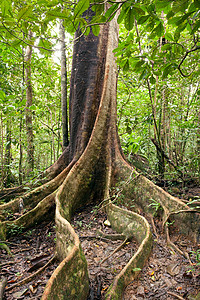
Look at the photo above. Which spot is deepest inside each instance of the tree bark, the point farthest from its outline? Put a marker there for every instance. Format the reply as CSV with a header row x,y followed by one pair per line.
x,y
91,165
7,159
63,87
29,99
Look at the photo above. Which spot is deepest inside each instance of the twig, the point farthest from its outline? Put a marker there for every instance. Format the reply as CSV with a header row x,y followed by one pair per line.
x,y
2,287
6,242
175,295
184,57
116,250
93,237
29,278
184,211
172,245
7,263
153,226
113,237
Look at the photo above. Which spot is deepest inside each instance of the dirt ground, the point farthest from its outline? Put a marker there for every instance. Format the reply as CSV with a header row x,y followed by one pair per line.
x,y
167,275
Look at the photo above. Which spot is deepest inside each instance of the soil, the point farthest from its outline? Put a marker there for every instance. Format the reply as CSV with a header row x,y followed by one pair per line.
x,y
167,275
30,250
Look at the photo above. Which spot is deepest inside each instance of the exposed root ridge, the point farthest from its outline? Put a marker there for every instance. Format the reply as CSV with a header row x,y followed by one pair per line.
x,y
27,220
70,279
131,224
141,192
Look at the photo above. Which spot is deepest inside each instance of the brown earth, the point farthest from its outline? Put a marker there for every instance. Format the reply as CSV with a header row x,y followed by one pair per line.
x,y
167,275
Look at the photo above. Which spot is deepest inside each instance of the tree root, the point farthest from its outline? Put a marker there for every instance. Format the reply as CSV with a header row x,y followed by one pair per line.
x,y
115,251
5,247
173,246
29,278
2,287
30,218
153,226
113,237
31,199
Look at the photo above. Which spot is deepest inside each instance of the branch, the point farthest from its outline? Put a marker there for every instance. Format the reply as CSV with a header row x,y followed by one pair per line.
x,y
31,45
184,57
100,23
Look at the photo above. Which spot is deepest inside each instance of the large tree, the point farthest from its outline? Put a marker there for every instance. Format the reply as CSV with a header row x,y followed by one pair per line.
x,y
90,166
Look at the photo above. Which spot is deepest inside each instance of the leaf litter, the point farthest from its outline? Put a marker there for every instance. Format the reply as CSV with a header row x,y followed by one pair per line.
x,y
167,275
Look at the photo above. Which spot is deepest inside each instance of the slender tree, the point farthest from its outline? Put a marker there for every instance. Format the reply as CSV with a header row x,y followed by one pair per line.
x,y
63,86
29,101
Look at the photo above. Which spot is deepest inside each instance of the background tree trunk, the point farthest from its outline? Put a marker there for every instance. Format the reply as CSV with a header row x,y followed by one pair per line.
x,y
63,86
29,99
7,159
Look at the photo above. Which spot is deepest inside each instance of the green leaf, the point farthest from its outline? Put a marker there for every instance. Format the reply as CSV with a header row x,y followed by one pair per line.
x,y
96,30
46,45
129,19
24,12
182,19
143,19
196,27
126,66
87,31
161,4
166,71
110,11
143,75
169,36
5,5
152,79
197,3
121,16
2,95
57,13
98,9
159,30
81,6
170,14
166,47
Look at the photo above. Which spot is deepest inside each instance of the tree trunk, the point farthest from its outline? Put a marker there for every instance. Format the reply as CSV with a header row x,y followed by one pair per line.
x,y
63,87
7,159
29,98
198,141
90,166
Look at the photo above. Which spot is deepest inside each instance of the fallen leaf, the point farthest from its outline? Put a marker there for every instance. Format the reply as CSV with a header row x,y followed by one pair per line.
x,y
107,223
173,269
12,281
152,273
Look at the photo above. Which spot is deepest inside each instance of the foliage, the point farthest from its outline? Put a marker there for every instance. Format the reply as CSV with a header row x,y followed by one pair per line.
x,y
158,89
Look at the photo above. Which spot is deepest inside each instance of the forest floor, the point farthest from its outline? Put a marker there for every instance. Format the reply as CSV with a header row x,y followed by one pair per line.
x,y
166,275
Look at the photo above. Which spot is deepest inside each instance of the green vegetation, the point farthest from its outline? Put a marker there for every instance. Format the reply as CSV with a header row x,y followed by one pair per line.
x,y
158,83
